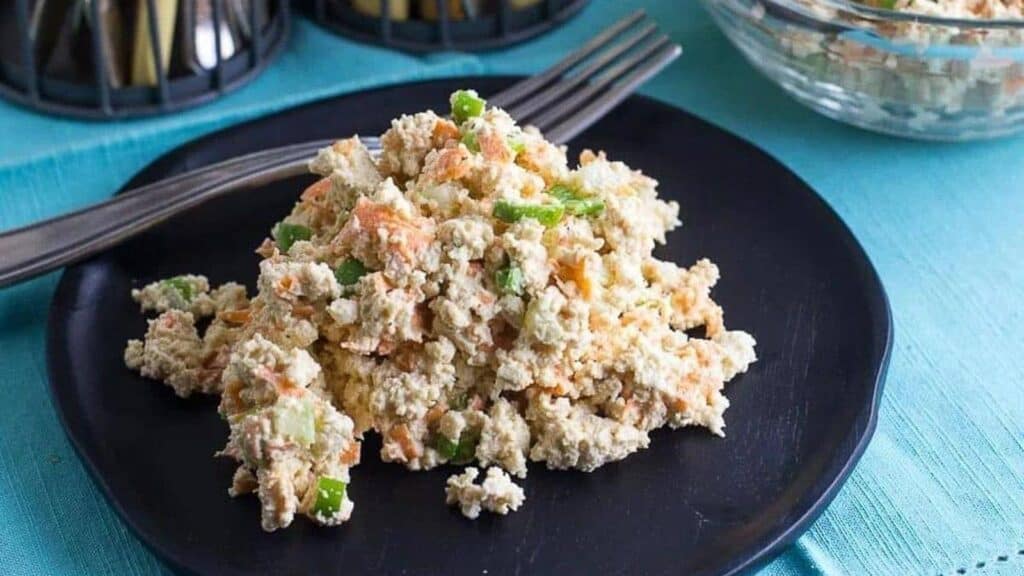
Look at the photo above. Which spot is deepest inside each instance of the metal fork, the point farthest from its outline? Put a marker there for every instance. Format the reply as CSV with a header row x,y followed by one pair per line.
x,y
562,101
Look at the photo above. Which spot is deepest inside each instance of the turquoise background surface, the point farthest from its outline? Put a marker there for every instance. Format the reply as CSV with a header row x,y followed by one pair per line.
x,y
941,487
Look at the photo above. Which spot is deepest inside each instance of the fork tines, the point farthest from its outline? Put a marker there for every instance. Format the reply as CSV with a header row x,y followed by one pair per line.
x,y
567,98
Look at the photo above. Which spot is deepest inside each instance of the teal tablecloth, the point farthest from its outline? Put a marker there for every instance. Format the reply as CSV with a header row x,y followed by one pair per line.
x,y
940,489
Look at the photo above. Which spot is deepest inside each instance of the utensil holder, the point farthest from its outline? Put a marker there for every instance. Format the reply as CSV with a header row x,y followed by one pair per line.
x,y
506,22
24,80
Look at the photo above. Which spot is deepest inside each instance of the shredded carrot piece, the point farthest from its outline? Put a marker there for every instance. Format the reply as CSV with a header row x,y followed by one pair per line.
x,y
444,130
350,457
303,310
239,316
400,433
317,191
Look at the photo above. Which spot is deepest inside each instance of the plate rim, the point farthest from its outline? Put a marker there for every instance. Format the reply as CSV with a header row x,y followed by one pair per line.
x,y
879,308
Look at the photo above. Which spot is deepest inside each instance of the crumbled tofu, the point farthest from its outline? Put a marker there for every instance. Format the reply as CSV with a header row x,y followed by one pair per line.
x,y
171,353
458,334
189,293
291,443
497,493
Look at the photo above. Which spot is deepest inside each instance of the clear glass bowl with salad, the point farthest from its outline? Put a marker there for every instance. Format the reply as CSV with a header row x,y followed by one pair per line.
x,y
879,65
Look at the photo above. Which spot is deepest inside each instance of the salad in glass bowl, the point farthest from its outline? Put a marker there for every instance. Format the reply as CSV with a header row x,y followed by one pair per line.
x,y
929,69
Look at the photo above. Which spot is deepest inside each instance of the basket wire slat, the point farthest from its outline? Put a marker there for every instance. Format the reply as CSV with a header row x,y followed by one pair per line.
x,y
385,20
27,80
102,82
255,42
154,44
28,55
499,26
218,68
502,16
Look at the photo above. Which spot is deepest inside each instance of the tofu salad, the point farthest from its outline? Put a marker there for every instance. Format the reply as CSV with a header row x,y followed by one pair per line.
x,y
464,294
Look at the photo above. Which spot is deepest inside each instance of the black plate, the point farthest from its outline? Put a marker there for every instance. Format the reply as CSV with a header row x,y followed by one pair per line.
x,y
694,504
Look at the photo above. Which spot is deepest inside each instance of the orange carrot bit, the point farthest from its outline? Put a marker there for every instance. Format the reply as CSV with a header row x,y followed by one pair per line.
x,y
450,164
317,191
303,310
400,433
578,274
350,457
677,405
436,412
493,147
409,237
238,317
444,130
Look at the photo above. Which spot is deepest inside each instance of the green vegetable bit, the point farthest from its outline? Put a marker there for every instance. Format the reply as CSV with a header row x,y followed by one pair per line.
x,y
296,421
509,279
350,271
445,447
517,146
330,493
469,139
575,203
466,452
180,285
546,214
287,234
461,452
466,104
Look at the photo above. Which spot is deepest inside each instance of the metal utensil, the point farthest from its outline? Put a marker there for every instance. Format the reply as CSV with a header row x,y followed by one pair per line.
x,y
602,70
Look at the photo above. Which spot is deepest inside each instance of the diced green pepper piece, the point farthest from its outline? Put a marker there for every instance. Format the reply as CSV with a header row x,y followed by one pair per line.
x,y
546,214
180,285
350,271
575,203
461,452
287,234
295,420
330,493
445,447
466,104
469,140
509,279
466,451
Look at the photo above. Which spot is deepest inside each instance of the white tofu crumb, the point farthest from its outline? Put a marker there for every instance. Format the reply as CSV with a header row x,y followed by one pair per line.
x,y
496,494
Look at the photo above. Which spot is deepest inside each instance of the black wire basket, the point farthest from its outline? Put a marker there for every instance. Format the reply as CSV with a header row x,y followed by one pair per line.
x,y
70,57
432,25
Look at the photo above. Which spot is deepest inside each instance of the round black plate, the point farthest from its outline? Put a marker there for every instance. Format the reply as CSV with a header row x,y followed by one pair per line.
x,y
694,504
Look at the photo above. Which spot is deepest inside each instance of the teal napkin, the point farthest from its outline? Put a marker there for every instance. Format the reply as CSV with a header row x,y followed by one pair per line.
x,y
939,491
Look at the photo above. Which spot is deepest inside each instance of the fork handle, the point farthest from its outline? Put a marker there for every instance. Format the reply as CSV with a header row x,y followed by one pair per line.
x,y
41,247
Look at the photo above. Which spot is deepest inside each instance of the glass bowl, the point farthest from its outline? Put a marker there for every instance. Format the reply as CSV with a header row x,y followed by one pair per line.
x,y
905,74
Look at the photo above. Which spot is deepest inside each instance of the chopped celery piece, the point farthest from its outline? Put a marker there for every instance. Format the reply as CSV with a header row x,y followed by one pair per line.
x,y
466,451
575,203
466,104
330,493
350,271
469,140
445,447
509,279
287,234
546,214
461,452
296,420
517,146
180,285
